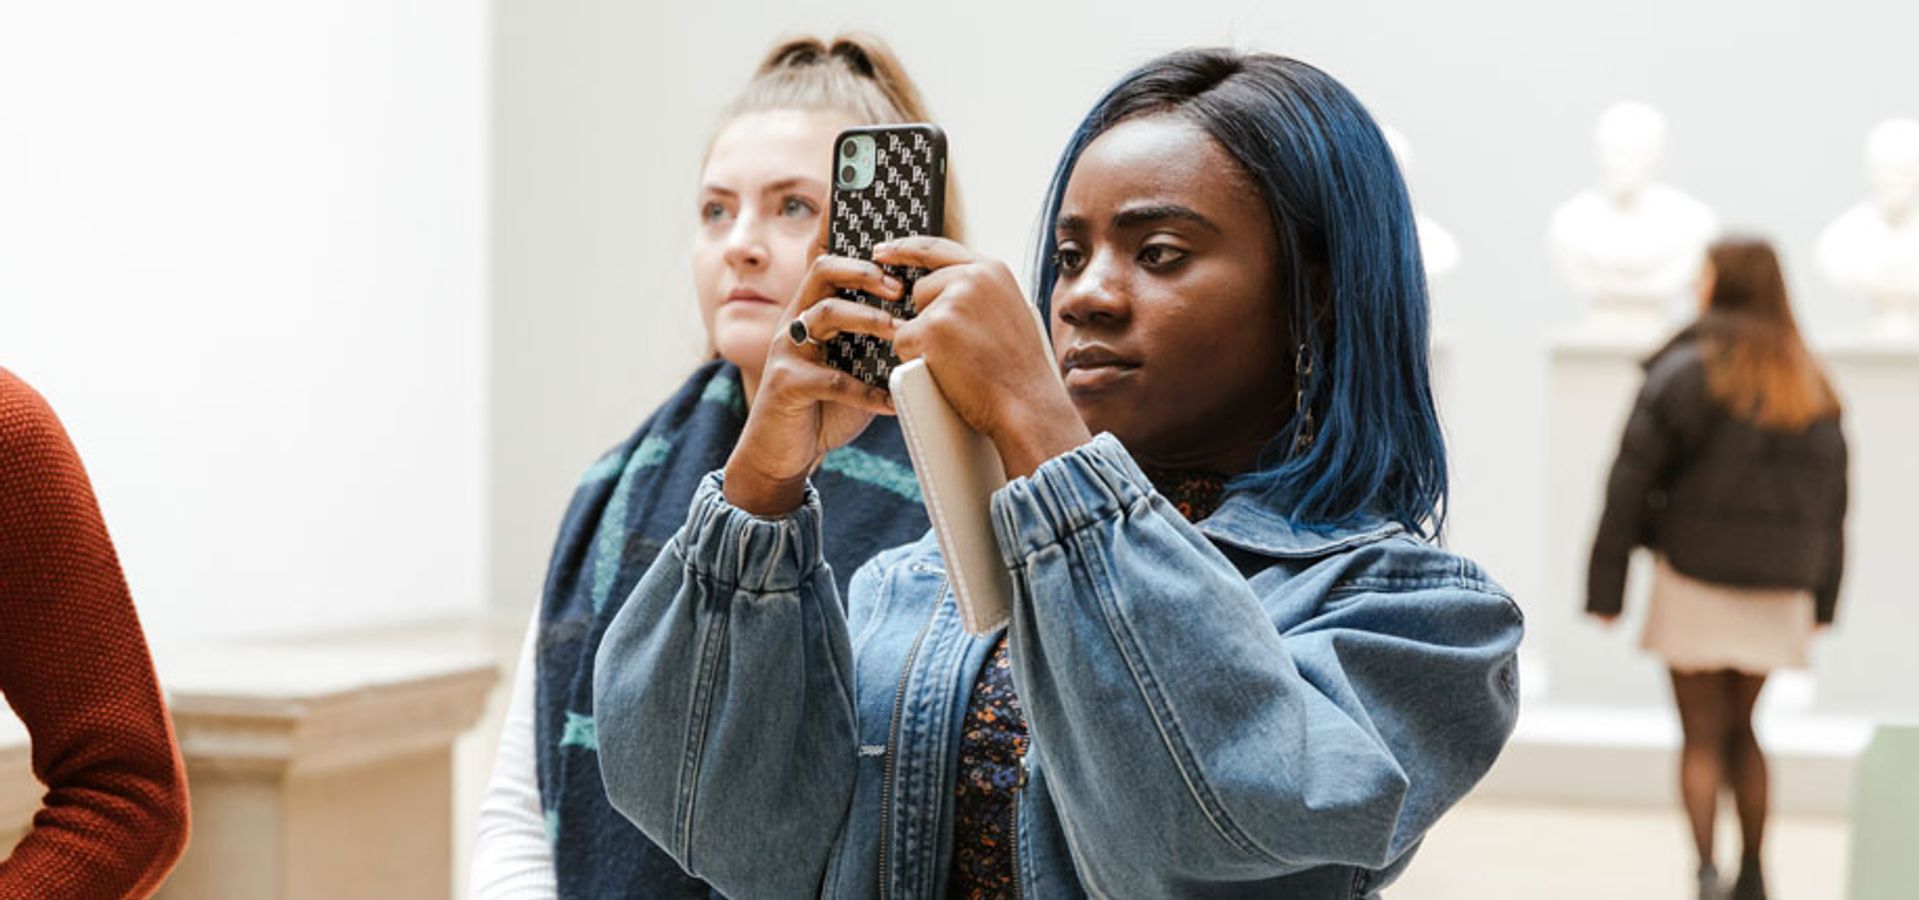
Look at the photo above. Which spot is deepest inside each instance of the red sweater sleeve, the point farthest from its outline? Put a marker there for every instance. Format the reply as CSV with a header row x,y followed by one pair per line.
x,y
74,666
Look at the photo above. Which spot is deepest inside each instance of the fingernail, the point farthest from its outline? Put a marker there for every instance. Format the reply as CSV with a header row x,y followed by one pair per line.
x,y
894,284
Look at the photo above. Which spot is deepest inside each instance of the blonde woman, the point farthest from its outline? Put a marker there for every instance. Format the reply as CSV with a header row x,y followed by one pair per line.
x,y
545,826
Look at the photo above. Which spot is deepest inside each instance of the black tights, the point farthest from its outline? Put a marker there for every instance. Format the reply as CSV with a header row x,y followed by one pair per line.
x,y
1715,711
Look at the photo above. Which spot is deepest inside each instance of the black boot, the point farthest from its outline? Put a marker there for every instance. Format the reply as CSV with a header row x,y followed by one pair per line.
x,y
1752,882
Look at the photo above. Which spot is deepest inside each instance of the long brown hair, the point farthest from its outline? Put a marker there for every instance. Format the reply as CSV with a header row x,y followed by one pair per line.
x,y
1757,366
856,74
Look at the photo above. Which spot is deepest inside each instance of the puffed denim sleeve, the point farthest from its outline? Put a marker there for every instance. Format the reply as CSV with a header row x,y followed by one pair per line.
x,y
1192,741
723,705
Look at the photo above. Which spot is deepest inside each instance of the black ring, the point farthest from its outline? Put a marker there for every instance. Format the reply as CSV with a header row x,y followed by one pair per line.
x,y
797,333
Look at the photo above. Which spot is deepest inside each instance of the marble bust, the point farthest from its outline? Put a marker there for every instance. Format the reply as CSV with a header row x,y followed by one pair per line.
x,y
1436,245
1631,246
1872,249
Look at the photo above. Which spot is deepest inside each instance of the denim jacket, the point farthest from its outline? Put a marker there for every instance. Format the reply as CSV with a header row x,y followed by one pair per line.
x,y
1235,709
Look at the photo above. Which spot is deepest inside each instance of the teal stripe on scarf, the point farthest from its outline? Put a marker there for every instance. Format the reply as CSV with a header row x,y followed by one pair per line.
x,y
852,462
580,732
607,555
652,451
726,392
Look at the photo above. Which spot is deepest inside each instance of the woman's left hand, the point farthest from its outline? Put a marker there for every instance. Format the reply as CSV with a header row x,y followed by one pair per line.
x,y
987,350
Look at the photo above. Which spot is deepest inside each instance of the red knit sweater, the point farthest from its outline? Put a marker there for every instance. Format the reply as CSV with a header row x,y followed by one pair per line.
x,y
74,666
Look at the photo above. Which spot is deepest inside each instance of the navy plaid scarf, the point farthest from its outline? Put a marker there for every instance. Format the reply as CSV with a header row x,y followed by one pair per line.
x,y
631,502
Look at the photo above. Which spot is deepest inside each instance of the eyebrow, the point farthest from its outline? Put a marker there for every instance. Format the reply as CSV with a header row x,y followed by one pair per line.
x,y
1142,215
798,181
780,186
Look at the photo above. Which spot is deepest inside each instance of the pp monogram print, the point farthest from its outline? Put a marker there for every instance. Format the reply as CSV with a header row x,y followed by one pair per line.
x,y
897,204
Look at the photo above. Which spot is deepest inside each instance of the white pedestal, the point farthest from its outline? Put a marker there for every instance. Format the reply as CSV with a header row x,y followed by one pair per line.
x,y
1866,663
1594,378
320,773
1629,757
314,772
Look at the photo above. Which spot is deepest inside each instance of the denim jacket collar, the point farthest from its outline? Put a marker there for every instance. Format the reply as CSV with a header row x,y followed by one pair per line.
x,y
1242,521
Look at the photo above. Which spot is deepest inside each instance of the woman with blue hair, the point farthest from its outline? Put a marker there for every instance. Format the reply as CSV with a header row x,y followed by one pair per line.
x,y
1236,665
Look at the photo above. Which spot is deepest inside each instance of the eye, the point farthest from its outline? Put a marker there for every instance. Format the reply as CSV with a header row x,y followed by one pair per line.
x,y
713,211
798,207
1069,259
1160,256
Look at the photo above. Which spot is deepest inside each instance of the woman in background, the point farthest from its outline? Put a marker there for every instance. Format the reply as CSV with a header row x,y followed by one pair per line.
x,y
545,827
74,666
1733,472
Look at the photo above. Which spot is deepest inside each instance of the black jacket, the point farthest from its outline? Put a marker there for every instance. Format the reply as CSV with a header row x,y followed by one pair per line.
x,y
1726,501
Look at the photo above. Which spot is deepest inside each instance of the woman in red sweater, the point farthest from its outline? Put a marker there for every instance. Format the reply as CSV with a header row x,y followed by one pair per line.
x,y
74,667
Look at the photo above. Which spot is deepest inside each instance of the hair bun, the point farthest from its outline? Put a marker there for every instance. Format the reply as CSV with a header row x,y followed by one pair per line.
x,y
854,55
794,54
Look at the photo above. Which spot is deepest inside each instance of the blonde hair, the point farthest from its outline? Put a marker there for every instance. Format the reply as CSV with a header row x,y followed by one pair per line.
x,y
855,74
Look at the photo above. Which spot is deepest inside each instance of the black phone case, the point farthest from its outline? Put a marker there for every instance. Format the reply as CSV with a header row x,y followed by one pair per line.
x,y
907,198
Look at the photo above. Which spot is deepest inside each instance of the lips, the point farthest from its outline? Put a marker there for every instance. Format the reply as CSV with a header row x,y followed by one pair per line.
x,y
1093,367
747,295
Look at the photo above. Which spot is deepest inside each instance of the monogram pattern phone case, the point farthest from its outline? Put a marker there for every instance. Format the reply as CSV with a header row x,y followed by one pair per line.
x,y
907,197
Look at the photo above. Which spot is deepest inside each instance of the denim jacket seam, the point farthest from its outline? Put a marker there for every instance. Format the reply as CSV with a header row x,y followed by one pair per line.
x,y
1390,583
1165,718
884,589
1465,577
842,677
698,717
951,708
923,731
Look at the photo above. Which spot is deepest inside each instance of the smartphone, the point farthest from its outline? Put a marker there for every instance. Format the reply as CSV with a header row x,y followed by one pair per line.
x,y
889,182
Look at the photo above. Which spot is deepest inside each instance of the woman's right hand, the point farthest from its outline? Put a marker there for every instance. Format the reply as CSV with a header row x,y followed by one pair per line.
x,y
804,407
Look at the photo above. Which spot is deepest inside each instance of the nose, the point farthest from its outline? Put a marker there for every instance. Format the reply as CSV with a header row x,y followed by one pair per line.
x,y
1093,298
746,244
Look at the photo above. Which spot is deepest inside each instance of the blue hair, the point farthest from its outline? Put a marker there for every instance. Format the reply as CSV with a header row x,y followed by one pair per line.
x,y
1354,283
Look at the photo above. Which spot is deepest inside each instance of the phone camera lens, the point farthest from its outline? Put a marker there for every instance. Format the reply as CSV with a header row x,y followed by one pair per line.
x,y
848,148
848,174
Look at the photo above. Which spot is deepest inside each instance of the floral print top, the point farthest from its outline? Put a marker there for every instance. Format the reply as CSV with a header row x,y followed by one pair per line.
x,y
993,741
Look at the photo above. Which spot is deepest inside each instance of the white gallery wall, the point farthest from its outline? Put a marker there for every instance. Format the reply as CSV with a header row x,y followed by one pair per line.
x,y
602,110
242,252
338,300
